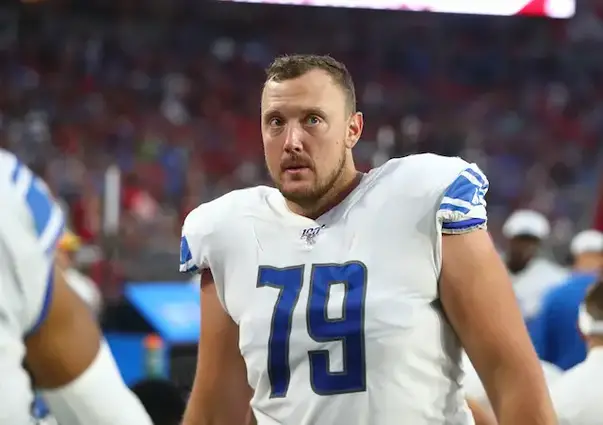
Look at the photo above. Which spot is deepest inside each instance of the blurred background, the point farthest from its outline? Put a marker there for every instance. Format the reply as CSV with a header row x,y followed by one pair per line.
x,y
135,112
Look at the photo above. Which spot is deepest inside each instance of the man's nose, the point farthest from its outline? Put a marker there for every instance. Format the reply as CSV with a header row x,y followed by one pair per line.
x,y
294,139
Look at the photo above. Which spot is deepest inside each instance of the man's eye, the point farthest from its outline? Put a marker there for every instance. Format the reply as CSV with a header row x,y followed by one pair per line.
x,y
275,122
313,120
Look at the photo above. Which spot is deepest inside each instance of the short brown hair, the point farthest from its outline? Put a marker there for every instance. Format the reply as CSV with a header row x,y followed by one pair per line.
x,y
290,67
594,300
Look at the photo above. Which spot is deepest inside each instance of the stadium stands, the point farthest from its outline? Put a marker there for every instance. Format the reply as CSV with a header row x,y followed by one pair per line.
x,y
170,94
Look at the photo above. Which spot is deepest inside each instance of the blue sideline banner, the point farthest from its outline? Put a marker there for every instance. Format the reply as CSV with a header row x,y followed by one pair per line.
x,y
172,308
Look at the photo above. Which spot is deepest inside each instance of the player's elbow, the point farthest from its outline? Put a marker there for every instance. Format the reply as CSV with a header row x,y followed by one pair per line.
x,y
518,392
525,405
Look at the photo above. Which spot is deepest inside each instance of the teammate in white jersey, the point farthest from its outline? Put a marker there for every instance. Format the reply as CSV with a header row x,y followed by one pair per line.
x,y
44,324
323,299
577,394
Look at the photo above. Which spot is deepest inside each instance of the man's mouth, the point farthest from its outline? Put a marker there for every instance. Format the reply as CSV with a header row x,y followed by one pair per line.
x,y
295,169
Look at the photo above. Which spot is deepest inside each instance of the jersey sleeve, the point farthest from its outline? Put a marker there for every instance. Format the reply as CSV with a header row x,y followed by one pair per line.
x,y
194,242
463,206
31,228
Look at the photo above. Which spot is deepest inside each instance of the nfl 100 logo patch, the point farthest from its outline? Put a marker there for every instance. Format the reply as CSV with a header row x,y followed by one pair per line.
x,y
310,234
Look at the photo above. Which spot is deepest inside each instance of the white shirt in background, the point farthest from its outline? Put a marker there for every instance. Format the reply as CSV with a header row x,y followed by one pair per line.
x,y
578,394
534,282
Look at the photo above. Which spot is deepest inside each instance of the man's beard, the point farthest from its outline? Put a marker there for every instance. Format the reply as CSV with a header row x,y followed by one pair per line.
x,y
312,195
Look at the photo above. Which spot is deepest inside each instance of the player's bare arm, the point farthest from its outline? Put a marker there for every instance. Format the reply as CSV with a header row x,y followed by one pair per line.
x,y
477,296
480,415
220,394
72,365
251,418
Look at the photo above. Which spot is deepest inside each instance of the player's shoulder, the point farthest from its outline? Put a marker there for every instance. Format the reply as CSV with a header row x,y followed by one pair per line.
x,y
427,168
226,209
431,173
428,161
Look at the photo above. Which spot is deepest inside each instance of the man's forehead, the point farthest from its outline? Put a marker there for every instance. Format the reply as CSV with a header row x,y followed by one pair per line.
x,y
315,89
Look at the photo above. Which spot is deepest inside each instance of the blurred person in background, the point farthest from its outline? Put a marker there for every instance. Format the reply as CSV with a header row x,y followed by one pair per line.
x,y
421,279
577,394
162,400
554,331
82,285
47,333
532,275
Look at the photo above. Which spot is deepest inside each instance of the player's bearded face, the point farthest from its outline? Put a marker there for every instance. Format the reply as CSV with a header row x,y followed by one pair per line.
x,y
312,181
304,127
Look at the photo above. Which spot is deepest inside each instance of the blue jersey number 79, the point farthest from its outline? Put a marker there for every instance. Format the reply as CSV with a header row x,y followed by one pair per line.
x,y
349,328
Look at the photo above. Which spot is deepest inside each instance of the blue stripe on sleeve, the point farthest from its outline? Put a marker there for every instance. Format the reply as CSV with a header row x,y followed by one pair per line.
x,y
46,214
463,225
45,304
461,189
186,257
192,269
185,251
463,206
16,171
469,187
479,177
55,240
454,208
40,205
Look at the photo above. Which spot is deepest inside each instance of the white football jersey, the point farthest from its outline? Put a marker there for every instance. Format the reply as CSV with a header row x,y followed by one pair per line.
x,y
577,394
339,319
30,225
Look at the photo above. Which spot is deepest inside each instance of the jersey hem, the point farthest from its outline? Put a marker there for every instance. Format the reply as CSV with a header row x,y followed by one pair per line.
x,y
462,231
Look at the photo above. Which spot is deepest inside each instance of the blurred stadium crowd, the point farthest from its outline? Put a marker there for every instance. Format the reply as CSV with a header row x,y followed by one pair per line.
x,y
169,92
172,97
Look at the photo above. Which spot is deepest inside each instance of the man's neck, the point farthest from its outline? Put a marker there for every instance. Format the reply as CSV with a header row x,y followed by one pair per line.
x,y
332,198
